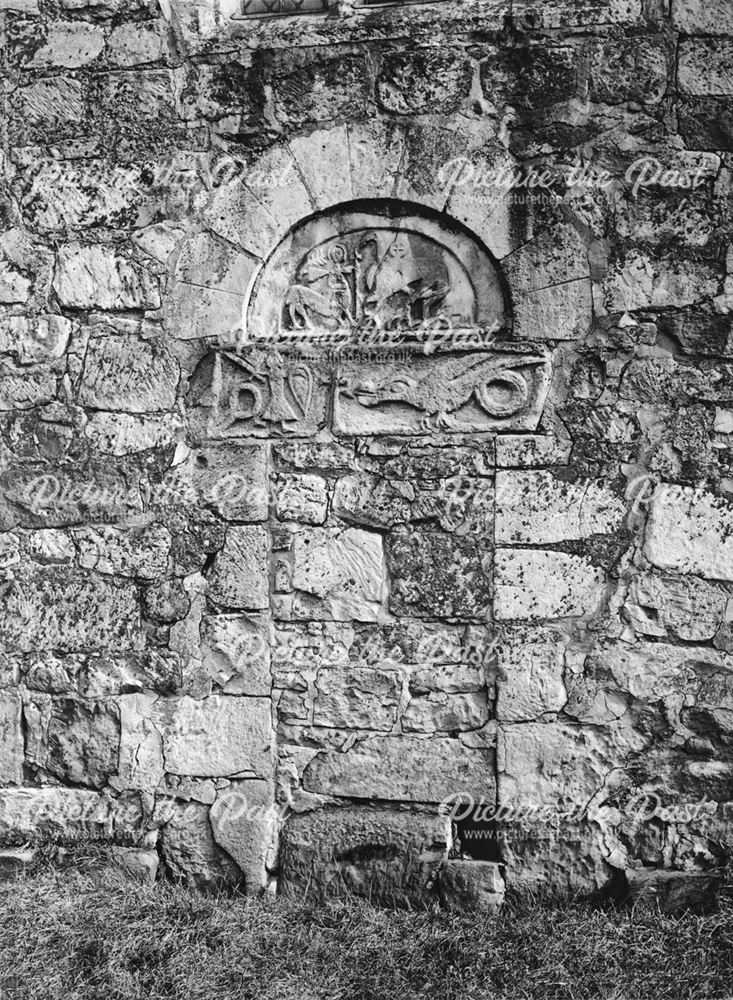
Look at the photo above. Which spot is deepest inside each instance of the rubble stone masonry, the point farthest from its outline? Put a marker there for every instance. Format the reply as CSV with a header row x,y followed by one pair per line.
x,y
366,441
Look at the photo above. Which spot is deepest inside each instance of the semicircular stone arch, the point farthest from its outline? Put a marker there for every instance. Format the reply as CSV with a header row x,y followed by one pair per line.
x,y
442,169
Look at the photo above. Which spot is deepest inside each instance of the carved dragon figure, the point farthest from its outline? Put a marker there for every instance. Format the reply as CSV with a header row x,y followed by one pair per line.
x,y
494,383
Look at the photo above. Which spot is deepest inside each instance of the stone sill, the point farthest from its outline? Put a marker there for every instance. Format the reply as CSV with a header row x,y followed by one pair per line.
x,y
206,24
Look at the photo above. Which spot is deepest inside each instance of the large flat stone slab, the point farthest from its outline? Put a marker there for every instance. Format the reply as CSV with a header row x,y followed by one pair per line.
x,y
404,769
217,737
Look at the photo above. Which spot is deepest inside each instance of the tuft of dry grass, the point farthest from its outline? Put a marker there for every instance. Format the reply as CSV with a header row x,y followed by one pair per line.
x,y
96,936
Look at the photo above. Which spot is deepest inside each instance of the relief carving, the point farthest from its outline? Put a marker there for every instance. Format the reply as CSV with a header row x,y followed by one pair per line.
x,y
261,394
465,393
354,276
380,279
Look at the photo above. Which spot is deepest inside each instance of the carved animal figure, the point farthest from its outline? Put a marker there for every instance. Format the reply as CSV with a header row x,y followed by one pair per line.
x,y
494,383
303,304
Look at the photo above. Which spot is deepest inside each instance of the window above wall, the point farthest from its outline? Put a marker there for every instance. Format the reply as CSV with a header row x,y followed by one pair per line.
x,y
279,8
275,8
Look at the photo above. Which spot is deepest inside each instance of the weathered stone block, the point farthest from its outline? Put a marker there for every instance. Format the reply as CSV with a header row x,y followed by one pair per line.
x,y
690,531
553,257
141,763
21,390
423,80
309,87
52,103
471,885
140,553
535,507
256,214
389,857
231,90
703,17
705,66
57,608
95,277
11,739
559,312
68,44
629,69
217,737
557,765
122,373
305,647
533,584
302,498
519,450
356,698
208,295
76,741
338,574
449,678
68,814
437,574
365,499
239,576
34,495
43,338
674,892
529,77
439,711
655,380
137,43
236,653
125,434
640,281
231,478
677,676
140,865
190,852
529,665
329,145
684,608
706,123
59,196
244,822
404,768
573,857
15,287
376,151
699,330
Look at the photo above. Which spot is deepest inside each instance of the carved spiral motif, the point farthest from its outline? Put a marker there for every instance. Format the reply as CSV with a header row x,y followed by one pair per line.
x,y
503,395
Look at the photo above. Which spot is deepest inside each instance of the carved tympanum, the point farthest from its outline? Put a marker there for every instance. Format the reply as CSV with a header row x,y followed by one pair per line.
x,y
353,275
382,279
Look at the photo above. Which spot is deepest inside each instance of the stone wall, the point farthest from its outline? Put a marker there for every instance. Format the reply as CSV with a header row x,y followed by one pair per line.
x,y
366,435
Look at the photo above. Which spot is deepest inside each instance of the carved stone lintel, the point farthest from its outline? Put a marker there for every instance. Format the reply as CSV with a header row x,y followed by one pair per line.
x,y
462,393
262,394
